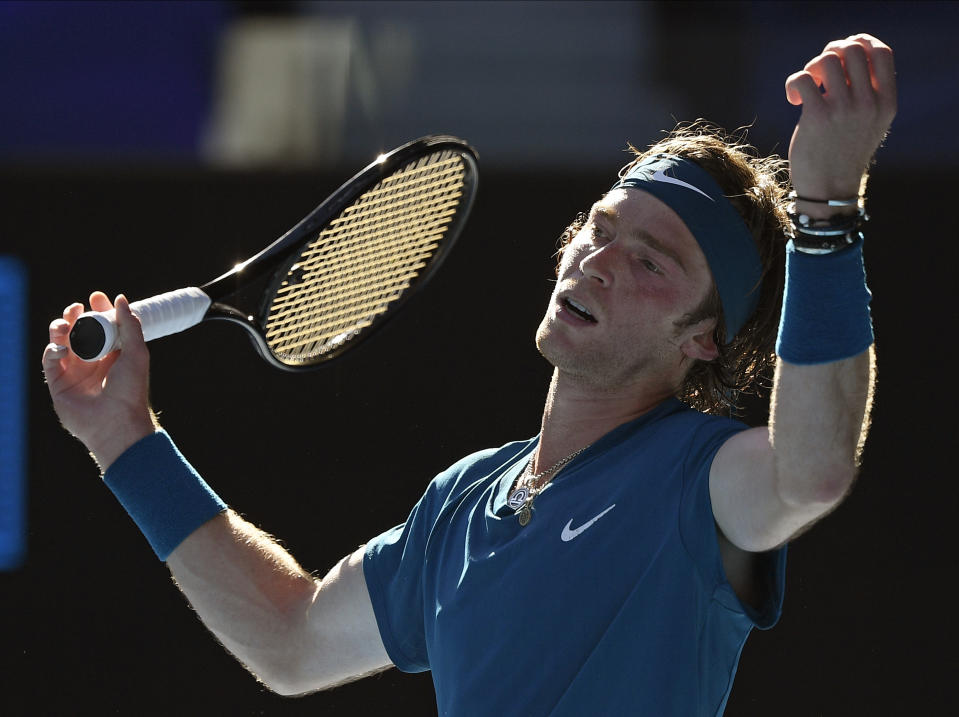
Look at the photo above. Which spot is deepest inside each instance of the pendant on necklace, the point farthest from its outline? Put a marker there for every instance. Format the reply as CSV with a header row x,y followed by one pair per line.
x,y
524,515
517,498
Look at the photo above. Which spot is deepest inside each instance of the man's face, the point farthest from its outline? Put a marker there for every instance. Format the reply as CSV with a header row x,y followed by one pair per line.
x,y
625,282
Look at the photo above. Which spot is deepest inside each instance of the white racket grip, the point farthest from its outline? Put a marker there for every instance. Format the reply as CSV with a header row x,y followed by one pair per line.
x,y
160,315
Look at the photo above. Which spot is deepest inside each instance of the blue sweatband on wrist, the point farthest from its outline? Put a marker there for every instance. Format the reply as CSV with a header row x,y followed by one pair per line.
x,y
825,314
161,491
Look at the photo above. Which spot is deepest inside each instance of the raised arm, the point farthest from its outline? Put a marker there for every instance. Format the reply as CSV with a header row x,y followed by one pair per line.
x,y
767,485
294,632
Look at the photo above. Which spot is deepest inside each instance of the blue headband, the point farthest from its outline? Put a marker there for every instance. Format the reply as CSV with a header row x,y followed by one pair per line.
x,y
730,251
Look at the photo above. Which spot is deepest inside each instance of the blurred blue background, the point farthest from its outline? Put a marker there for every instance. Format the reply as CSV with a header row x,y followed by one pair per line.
x,y
530,83
13,412
147,145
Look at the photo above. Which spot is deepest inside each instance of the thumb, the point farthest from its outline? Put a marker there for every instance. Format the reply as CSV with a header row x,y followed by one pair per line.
x,y
128,375
129,330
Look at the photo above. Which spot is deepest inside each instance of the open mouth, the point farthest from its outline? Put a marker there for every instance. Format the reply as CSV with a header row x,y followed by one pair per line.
x,y
578,309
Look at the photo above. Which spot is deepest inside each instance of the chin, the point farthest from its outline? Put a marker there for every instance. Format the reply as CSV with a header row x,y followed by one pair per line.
x,y
577,361
549,344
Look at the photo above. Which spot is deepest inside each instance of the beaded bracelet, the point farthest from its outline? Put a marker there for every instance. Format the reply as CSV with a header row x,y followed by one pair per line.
x,y
825,236
852,202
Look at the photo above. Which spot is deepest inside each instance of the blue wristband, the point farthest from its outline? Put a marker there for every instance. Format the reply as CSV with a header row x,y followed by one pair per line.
x,y
161,491
825,314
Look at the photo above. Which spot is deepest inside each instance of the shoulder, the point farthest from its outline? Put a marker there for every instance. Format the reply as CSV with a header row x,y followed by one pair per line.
x,y
478,466
697,433
672,435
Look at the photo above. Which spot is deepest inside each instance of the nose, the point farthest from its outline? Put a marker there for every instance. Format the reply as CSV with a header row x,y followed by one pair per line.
x,y
598,264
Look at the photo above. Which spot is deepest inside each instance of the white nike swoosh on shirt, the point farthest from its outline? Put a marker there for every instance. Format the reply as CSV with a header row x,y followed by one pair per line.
x,y
661,176
568,534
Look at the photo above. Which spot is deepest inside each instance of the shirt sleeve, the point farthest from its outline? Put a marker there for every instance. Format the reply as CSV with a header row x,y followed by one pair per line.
x,y
699,531
394,568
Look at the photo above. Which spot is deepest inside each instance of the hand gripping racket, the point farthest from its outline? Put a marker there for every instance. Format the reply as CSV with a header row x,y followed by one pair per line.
x,y
336,276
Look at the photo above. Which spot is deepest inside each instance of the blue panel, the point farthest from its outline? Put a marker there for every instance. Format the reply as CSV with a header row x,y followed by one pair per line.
x,y
13,436
112,78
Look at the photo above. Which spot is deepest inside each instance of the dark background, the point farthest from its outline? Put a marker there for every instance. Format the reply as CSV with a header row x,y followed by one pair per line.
x,y
92,622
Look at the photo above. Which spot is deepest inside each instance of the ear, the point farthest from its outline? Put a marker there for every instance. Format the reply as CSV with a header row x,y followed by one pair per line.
x,y
698,342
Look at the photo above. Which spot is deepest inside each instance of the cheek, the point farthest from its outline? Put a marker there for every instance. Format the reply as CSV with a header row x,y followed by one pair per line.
x,y
653,302
573,254
652,287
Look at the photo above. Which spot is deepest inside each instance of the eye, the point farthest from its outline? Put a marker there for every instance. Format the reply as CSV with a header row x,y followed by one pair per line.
x,y
596,232
651,266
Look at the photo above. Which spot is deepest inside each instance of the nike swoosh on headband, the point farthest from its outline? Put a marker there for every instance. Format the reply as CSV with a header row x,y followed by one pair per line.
x,y
661,176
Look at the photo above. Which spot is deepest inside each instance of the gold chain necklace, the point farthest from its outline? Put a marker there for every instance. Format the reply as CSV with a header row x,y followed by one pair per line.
x,y
521,499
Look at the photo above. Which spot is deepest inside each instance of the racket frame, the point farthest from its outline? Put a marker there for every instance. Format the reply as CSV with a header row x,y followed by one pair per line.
x,y
271,264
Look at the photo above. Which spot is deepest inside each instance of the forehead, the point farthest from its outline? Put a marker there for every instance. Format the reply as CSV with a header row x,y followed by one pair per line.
x,y
640,212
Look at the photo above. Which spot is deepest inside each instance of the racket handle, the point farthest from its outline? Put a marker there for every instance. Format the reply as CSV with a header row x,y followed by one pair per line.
x,y
94,334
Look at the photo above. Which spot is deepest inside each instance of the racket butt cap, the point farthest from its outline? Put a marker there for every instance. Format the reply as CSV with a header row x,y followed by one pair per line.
x,y
92,336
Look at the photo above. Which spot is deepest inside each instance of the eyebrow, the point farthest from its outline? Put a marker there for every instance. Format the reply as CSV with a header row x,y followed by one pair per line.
x,y
643,236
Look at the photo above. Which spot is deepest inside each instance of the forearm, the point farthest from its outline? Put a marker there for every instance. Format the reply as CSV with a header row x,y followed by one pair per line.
x,y
819,418
249,592
246,589
824,377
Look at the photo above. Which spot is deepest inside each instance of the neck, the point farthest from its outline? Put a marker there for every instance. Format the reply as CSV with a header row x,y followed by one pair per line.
x,y
577,415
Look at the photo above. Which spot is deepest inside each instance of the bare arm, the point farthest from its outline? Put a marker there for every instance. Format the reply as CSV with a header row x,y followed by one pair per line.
x,y
295,633
770,484
767,485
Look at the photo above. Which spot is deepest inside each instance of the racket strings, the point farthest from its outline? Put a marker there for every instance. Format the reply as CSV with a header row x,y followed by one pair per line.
x,y
349,287
417,179
375,258
369,247
364,260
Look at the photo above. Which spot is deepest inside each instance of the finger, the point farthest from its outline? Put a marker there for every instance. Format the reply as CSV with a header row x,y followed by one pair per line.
x,y
52,366
837,46
856,63
801,89
71,313
59,329
883,69
100,301
869,42
828,72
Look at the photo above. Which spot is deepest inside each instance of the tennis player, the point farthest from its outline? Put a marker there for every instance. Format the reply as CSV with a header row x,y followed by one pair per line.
x,y
616,562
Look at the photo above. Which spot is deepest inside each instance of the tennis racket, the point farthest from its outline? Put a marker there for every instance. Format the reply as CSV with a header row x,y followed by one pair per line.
x,y
335,277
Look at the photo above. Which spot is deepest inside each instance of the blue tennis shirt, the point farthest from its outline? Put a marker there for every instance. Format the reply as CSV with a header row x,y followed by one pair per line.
x,y
612,601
